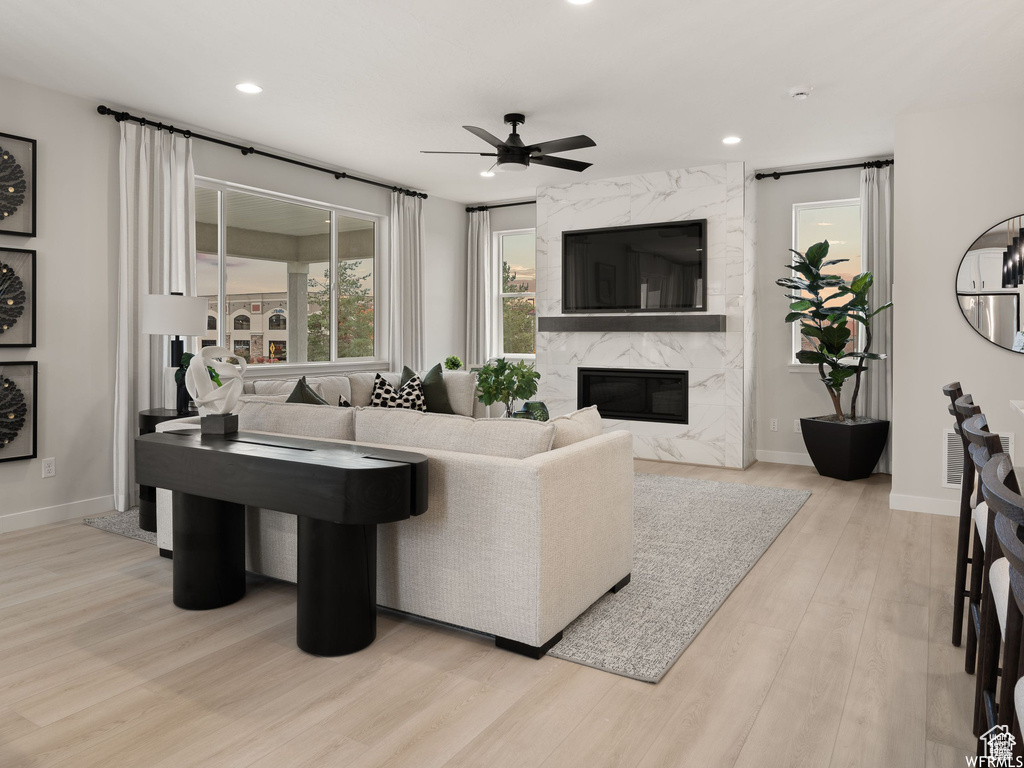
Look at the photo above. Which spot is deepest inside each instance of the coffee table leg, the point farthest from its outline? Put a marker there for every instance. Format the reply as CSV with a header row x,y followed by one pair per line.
x,y
209,552
337,574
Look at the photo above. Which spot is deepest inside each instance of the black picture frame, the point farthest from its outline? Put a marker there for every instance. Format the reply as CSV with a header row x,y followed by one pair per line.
x,y
17,219
21,330
24,378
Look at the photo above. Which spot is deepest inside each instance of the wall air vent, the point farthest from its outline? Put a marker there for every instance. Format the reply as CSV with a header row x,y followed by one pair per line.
x,y
953,457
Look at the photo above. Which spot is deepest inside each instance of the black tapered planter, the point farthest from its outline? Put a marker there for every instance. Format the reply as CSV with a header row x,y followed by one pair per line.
x,y
844,450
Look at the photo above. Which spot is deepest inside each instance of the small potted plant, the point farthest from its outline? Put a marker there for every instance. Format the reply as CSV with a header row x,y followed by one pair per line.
x,y
500,381
453,363
842,444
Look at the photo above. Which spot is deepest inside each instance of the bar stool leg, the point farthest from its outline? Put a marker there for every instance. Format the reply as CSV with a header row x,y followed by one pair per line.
x,y
974,618
1011,664
960,580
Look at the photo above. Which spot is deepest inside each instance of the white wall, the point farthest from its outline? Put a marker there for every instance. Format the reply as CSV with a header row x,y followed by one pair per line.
x,y
76,310
77,287
960,172
786,393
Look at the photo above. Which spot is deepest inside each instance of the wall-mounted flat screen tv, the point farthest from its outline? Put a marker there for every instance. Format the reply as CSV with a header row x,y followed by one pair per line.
x,y
645,268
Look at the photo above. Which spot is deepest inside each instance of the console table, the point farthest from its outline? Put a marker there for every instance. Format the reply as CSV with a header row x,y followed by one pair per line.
x,y
148,421
339,492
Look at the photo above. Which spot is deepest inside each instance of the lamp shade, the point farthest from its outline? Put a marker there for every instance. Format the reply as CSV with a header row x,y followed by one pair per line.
x,y
172,315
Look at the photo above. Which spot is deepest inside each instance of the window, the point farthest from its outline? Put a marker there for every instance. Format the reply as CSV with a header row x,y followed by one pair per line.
x,y
262,258
837,221
516,255
211,323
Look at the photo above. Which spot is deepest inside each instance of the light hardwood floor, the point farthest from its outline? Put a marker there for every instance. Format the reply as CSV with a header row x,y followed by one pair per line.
x,y
834,650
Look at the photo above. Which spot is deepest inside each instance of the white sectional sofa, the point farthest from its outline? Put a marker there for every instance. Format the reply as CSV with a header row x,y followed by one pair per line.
x,y
528,522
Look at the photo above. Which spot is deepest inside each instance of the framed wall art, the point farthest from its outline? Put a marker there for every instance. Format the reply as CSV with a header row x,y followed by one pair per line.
x,y
17,185
17,297
19,393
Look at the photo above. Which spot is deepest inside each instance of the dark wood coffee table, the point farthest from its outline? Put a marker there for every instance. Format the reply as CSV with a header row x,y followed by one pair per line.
x,y
340,494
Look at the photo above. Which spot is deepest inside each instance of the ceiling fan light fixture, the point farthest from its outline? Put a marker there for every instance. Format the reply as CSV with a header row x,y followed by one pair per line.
x,y
511,164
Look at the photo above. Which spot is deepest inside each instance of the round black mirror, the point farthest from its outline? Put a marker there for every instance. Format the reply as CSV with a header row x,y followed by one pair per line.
x,y
990,281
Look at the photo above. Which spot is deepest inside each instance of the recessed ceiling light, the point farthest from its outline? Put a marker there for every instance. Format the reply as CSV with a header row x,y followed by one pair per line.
x,y
487,174
248,88
800,92
731,140
579,2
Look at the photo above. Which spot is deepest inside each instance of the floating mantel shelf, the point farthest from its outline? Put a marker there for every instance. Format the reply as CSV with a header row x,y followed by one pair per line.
x,y
697,322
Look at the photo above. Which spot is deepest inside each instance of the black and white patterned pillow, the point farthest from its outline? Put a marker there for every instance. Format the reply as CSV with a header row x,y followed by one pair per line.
x,y
386,395
343,403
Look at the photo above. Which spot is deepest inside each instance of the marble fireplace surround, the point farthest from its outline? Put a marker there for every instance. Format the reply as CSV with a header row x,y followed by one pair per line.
x,y
721,382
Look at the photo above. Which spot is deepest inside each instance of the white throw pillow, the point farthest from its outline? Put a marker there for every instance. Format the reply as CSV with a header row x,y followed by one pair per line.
x,y
409,396
576,426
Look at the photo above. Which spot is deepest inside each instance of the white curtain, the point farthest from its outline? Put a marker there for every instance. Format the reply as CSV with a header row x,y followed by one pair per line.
x,y
406,299
156,254
876,246
481,297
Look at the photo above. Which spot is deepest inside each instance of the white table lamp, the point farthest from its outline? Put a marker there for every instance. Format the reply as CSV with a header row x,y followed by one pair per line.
x,y
174,315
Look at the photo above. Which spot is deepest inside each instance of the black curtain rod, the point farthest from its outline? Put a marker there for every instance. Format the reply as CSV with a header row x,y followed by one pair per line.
x,y
779,174
501,205
189,134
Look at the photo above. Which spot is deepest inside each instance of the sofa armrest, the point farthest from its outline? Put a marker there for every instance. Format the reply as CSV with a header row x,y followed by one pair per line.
x,y
586,524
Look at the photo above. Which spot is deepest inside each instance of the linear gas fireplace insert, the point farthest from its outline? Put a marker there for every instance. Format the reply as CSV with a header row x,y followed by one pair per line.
x,y
634,394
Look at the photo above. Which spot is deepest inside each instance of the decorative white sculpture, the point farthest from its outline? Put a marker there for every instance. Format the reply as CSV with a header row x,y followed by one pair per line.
x,y
210,398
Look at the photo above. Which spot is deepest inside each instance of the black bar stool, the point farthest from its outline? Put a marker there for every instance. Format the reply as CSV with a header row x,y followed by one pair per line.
x,y
966,409
963,543
984,617
999,484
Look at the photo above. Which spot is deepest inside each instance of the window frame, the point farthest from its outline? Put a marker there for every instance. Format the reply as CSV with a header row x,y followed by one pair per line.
x,y
381,276
499,303
795,337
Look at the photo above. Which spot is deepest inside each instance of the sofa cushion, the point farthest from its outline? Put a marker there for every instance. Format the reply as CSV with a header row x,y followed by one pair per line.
x,y
297,419
303,393
435,391
263,399
409,396
461,386
330,388
511,438
576,426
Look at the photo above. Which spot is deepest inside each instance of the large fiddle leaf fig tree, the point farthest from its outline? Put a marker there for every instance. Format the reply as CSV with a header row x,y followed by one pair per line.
x,y
827,306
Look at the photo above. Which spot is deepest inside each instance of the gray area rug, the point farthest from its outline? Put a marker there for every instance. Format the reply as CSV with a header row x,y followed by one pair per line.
x,y
693,542
123,524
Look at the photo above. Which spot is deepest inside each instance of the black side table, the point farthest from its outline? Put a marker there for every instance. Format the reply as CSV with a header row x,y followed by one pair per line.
x,y
147,493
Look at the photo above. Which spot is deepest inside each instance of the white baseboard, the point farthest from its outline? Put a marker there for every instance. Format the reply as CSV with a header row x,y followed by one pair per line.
x,y
33,517
785,457
947,507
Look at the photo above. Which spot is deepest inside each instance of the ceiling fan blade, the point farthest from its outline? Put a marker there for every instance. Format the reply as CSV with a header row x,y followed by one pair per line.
x,y
562,145
443,152
560,162
480,133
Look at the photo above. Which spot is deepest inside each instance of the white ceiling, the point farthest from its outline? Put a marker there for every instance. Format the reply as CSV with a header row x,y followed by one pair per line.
x,y
365,84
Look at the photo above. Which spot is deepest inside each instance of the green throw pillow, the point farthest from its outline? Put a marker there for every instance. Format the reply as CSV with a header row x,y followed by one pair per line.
x,y
303,393
435,391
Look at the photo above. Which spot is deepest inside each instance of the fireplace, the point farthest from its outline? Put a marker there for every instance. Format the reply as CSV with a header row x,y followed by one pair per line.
x,y
634,394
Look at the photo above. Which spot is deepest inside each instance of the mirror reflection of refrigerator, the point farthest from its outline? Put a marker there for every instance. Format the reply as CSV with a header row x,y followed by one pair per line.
x,y
995,315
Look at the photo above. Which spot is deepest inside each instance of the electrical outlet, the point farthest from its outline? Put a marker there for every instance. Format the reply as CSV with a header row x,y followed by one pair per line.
x,y
49,467
775,425
796,426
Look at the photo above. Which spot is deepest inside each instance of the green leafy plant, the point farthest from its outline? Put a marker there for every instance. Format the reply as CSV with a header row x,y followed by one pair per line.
x,y
825,305
503,382
186,358
452,363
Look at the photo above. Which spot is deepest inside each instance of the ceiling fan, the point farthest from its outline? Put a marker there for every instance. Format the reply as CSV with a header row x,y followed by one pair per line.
x,y
513,155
